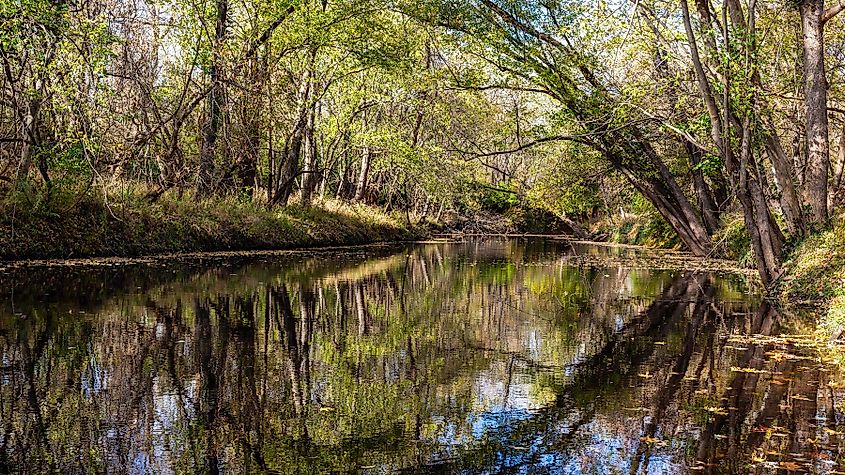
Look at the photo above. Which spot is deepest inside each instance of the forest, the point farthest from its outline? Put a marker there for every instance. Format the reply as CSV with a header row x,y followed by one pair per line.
x,y
422,236
715,127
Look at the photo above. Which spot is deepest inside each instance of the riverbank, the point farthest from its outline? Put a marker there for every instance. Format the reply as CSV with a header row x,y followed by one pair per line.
x,y
815,278
90,226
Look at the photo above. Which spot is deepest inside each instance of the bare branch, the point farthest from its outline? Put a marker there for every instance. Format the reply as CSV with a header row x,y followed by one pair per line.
x,y
554,138
267,32
832,11
498,86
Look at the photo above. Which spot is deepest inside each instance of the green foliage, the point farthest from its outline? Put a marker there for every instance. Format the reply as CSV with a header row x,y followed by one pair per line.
x,y
573,199
732,241
499,198
640,225
711,165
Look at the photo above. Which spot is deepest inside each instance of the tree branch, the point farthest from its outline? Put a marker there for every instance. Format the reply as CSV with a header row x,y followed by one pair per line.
x,y
267,32
554,138
465,87
566,48
682,133
513,22
832,11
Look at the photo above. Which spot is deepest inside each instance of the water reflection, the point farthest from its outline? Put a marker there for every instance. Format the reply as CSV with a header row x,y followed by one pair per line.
x,y
493,356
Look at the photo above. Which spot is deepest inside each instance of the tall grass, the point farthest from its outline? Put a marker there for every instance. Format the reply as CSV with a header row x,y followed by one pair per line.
x,y
123,221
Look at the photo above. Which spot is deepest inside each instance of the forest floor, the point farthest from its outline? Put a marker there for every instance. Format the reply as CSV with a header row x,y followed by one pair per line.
x,y
89,226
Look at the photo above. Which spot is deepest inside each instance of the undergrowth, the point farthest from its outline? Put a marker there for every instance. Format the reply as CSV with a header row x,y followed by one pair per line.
x,y
647,229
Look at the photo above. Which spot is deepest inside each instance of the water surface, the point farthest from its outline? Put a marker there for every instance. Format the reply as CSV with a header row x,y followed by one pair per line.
x,y
485,356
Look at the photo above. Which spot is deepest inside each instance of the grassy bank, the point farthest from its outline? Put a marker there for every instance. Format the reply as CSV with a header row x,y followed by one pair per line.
x,y
127,224
815,278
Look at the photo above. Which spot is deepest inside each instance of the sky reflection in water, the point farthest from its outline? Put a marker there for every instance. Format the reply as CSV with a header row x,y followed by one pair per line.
x,y
487,356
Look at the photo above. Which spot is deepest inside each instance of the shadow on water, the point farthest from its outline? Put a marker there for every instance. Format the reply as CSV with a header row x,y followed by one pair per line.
x,y
487,356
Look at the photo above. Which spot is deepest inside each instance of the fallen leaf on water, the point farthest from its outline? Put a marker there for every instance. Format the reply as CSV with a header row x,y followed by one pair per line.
x,y
716,410
747,370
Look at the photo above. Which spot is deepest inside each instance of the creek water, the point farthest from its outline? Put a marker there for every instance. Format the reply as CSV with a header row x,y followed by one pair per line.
x,y
489,355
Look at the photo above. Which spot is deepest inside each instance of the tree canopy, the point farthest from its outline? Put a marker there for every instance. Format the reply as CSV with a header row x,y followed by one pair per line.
x,y
689,113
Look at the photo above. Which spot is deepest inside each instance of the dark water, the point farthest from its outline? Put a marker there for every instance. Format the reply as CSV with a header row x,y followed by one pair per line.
x,y
489,356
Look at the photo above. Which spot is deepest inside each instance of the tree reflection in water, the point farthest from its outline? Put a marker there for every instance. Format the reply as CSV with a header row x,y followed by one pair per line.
x,y
486,356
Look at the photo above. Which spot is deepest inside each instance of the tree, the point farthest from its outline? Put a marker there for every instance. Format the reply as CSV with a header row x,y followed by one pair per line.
x,y
513,41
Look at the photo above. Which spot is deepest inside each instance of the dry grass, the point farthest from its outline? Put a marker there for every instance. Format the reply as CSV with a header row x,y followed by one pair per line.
x,y
122,222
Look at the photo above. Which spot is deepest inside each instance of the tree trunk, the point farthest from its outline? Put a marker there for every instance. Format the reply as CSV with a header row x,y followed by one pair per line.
x,y
246,167
30,138
790,202
663,190
343,181
709,209
309,162
363,175
215,106
815,100
840,165
660,198
707,204
287,170
309,158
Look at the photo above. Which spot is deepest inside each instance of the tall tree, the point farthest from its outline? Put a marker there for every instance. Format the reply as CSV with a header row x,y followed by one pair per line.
x,y
813,18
